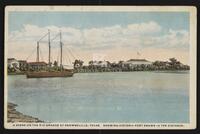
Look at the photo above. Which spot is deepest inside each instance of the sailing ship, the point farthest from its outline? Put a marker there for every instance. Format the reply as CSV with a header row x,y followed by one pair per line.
x,y
48,72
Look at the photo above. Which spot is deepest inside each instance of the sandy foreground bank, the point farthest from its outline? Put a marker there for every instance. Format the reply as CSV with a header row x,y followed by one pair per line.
x,y
14,116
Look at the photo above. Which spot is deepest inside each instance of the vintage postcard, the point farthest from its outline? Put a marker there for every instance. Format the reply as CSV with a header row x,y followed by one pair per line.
x,y
100,67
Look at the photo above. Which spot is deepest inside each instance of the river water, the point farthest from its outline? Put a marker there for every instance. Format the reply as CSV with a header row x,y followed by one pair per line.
x,y
136,97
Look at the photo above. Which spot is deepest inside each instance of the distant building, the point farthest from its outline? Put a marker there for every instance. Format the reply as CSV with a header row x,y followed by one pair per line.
x,y
135,62
162,63
138,62
12,63
37,65
100,63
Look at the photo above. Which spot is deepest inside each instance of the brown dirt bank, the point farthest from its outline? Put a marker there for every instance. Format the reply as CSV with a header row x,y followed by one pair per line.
x,y
14,116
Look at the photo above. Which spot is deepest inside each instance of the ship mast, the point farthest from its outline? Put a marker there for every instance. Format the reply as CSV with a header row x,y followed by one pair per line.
x,y
38,47
49,47
38,56
61,51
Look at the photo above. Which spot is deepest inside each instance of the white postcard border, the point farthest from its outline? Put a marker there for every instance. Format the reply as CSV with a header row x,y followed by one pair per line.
x,y
192,93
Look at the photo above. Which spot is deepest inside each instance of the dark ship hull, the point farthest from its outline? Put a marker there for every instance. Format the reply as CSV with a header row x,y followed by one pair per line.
x,y
68,73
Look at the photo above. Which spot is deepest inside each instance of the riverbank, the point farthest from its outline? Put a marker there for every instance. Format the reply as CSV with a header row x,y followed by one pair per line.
x,y
13,116
16,73
120,70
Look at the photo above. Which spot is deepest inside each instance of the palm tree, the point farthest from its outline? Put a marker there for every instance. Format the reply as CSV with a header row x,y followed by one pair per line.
x,y
55,63
78,64
91,62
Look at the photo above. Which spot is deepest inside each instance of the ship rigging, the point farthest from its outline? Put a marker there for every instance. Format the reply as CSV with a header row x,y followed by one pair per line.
x,y
48,72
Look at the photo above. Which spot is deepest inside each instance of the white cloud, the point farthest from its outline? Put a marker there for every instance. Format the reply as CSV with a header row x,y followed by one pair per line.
x,y
174,39
140,35
144,28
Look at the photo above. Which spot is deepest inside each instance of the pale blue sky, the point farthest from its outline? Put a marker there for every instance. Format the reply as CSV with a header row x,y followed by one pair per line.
x,y
157,35
172,20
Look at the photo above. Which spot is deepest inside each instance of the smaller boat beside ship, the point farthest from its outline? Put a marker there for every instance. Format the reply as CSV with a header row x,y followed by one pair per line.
x,y
47,69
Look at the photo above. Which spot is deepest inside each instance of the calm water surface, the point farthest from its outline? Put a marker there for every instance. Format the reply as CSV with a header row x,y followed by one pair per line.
x,y
153,97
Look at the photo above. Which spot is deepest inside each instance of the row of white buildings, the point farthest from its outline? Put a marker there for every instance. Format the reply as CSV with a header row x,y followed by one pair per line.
x,y
22,65
13,63
131,62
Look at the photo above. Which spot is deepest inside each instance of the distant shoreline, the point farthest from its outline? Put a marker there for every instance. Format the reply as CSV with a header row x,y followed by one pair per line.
x,y
102,71
20,67
13,116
